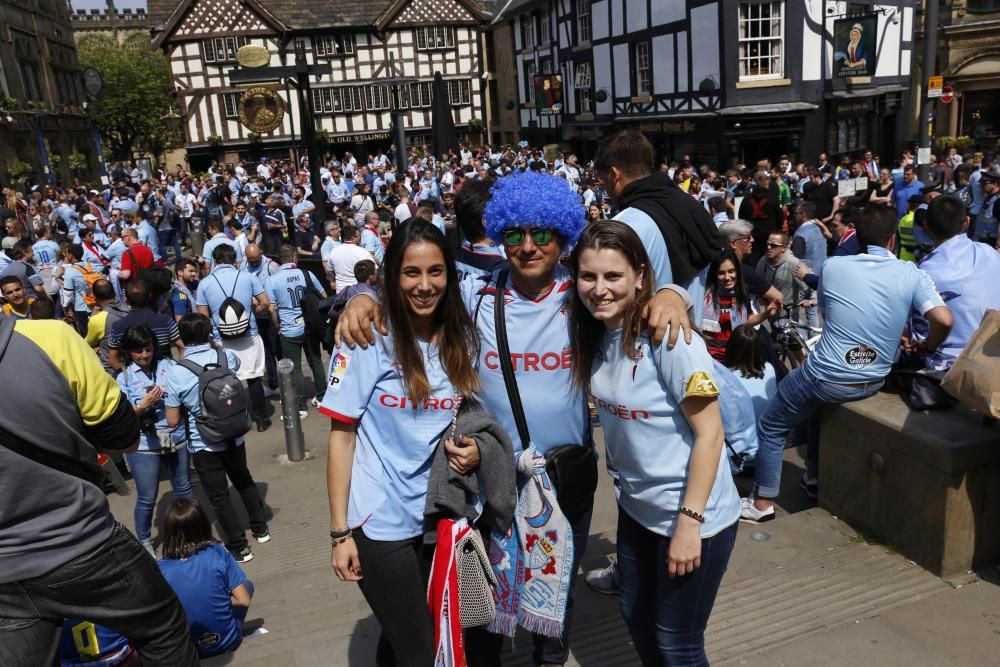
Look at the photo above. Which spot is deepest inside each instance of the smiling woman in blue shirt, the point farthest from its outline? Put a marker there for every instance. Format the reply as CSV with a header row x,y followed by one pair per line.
x,y
678,505
389,405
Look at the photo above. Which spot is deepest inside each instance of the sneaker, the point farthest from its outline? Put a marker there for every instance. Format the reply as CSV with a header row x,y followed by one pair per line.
x,y
315,402
244,555
262,537
604,580
302,415
751,514
810,485
263,424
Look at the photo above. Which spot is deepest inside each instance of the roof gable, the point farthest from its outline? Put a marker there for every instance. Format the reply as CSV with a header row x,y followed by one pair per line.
x,y
433,12
194,19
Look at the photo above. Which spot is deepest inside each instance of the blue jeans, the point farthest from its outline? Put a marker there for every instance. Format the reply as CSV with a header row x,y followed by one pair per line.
x,y
145,467
798,402
168,237
666,617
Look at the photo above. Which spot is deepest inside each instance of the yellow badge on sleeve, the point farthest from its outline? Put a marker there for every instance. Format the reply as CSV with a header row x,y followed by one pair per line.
x,y
701,384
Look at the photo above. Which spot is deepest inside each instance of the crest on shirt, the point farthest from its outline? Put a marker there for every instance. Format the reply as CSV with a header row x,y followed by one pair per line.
x,y
701,384
860,356
337,369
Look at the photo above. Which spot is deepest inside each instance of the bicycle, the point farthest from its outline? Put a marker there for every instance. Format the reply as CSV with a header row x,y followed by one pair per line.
x,y
790,345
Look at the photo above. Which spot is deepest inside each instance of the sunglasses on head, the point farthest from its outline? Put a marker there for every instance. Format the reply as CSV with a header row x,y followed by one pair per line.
x,y
514,237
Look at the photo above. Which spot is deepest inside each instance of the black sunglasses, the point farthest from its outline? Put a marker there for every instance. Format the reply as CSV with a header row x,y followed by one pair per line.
x,y
515,237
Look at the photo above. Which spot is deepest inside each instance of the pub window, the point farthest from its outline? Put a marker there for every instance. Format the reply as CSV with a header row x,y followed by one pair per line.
x,y
377,98
584,101
583,20
544,29
420,95
762,39
430,37
530,69
222,49
334,45
351,99
327,100
527,31
642,72
583,75
231,104
458,93
983,5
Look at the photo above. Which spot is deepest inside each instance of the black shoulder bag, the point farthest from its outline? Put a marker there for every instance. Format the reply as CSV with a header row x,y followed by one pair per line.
x,y
572,468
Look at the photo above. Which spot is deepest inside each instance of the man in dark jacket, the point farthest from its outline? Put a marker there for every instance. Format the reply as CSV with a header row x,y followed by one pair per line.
x,y
762,208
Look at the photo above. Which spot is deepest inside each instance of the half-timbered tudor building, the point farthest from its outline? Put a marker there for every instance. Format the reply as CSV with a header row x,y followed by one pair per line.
x,y
724,81
353,105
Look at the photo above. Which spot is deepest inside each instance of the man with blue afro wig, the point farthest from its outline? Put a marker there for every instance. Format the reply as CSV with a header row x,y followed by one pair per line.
x,y
533,200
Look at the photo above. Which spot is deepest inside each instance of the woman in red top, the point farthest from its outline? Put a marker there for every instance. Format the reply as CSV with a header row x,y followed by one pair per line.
x,y
727,304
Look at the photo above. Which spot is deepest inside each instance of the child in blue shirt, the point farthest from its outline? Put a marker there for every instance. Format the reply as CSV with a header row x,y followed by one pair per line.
x,y
390,404
210,584
678,505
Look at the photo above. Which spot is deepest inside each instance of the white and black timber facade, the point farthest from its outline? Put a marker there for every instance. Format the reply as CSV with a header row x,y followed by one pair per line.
x,y
352,105
723,81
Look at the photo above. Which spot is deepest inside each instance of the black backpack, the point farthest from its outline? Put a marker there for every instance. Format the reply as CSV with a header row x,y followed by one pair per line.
x,y
224,401
312,314
234,320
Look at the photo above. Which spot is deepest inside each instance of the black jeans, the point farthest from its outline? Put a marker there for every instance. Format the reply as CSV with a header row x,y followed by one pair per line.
x,y
483,648
258,407
213,469
271,350
394,584
292,349
117,585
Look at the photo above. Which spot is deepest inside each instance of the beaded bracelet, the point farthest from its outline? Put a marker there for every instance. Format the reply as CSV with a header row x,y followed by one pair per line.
x,y
700,518
339,536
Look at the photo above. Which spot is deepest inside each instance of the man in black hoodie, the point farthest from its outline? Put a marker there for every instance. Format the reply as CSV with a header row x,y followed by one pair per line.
x,y
676,230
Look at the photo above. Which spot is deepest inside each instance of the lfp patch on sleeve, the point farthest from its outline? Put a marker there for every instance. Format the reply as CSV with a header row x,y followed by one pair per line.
x,y
701,384
338,367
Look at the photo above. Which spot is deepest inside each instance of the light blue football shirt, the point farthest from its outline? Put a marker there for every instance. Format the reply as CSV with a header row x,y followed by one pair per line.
x,y
761,390
285,289
133,382
966,274
225,281
182,392
215,241
45,252
115,252
866,300
396,439
638,396
538,334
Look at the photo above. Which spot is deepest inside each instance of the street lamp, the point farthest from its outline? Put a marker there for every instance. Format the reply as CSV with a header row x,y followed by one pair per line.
x,y
172,120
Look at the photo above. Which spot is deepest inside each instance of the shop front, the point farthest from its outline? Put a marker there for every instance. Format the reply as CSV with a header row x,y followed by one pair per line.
x,y
753,133
857,122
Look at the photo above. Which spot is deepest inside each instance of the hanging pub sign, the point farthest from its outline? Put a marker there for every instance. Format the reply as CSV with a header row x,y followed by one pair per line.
x,y
261,109
855,42
548,94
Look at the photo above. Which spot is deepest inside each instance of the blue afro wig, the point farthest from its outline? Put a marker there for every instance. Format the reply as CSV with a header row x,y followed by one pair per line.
x,y
531,199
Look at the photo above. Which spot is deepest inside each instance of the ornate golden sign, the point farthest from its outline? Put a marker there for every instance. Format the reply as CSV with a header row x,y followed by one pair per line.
x,y
253,55
261,109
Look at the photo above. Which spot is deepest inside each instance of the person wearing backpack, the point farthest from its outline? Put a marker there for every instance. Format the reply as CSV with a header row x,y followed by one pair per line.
x,y
229,297
78,283
205,397
294,294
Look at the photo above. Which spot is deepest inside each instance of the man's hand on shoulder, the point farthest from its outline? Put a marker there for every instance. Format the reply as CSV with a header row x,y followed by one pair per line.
x,y
666,315
355,324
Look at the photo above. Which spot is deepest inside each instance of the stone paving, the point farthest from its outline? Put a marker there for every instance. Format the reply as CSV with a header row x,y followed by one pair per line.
x,y
812,593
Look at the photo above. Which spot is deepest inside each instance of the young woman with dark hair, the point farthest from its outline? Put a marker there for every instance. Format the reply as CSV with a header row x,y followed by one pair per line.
x,y
727,304
746,357
659,406
390,404
209,582
144,381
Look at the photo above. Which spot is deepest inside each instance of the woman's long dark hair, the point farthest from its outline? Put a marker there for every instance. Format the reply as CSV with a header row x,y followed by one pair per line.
x,y
745,352
457,341
136,338
588,331
186,529
740,297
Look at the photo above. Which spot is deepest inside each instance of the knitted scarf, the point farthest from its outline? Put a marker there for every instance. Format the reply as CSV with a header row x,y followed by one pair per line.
x,y
533,560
